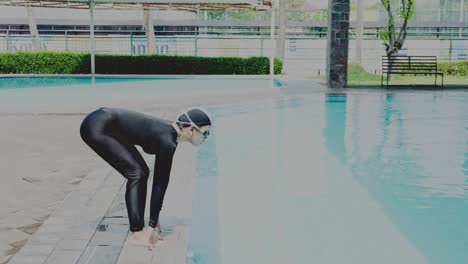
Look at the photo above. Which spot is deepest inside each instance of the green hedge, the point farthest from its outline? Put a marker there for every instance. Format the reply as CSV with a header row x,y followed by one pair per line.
x,y
43,62
79,63
454,68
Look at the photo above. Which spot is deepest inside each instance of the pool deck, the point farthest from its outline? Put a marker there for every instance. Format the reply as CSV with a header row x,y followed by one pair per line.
x,y
91,225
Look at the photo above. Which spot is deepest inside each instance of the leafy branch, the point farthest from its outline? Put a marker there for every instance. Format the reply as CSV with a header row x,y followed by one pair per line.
x,y
393,42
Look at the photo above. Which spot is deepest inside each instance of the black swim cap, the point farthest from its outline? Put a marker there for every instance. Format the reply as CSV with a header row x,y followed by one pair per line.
x,y
198,116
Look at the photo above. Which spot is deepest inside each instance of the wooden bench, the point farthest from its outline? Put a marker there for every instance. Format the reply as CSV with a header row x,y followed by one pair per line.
x,y
404,65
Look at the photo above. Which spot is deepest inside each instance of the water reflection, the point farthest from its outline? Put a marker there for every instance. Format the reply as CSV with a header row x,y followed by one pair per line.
x,y
427,204
335,125
205,243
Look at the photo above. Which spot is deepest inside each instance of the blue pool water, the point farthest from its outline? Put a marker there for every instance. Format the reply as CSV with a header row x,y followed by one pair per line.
x,y
16,82
77,94
340,178
136,81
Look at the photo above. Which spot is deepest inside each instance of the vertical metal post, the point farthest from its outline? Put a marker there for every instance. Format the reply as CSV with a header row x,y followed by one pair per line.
x,y
359,30
196,43
66,40
91,32
8,40
272,38
131,44
197,30
261,45
462,9
450,50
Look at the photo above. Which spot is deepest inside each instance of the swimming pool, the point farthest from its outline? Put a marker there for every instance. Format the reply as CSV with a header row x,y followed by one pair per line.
x,y
37,81
81,93
334,178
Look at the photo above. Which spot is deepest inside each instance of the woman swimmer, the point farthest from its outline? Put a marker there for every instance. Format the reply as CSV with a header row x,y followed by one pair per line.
x,y
113,133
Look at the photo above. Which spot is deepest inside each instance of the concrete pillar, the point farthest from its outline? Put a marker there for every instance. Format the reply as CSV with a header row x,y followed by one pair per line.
x,y
337,45
36,42
149,29
205,16
281,41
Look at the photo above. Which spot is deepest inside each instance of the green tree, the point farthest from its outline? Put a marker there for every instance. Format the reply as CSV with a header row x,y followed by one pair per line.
x,y
393,42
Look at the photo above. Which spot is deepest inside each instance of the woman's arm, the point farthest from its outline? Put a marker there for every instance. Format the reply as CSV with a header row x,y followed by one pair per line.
x,y
162,170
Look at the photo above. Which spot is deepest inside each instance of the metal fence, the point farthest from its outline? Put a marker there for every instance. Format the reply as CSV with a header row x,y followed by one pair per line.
x,y
303,55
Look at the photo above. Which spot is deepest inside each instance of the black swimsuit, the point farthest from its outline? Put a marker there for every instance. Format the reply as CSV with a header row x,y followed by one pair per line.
x,y
112,134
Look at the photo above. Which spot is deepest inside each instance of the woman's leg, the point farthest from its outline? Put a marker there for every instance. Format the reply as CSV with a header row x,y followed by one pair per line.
x,y
123,157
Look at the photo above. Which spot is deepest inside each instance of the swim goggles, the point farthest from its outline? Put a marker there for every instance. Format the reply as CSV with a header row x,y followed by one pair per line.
x,y
204,133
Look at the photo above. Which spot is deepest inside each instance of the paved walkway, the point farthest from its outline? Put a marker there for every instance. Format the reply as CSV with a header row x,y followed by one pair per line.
x,y
92,226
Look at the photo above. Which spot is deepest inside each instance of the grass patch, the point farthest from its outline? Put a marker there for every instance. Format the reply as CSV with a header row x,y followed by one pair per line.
x,y
359,76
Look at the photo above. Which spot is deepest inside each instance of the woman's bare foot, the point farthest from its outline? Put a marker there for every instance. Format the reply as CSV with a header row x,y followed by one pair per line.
x,y
139,238
158,226
154,237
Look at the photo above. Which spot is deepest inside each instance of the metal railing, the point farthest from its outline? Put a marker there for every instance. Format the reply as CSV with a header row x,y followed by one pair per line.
x,y
303,55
